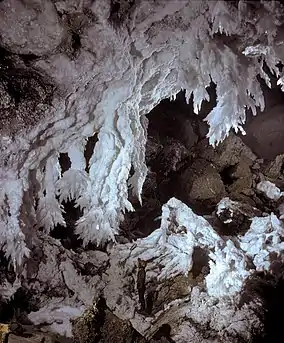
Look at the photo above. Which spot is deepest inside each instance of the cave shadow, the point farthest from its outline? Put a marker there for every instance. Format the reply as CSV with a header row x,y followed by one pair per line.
x,y
173,131
268,287
67,235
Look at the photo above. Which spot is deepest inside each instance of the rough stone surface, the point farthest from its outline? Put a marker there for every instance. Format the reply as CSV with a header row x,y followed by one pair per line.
x,y
229,153
30,27
203,182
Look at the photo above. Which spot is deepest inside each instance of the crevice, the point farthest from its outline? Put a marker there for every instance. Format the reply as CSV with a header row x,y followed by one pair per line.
x,y
18,307
89,150
67,235
28,58
226,176
200,258
64,162
76,43
164,333
88,328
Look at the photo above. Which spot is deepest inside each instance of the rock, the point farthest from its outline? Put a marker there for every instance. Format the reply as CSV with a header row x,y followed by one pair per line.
x,y
243,198
175,288
207,186
153,148
98,323
270,190
4,332
273,170
67,6
86,328
36,28
257,164
202,182
229,153
171,158
116,330
236,215
38,337
202,129
187,134
34,339
150,186
29,334
25,93
240,170
243,176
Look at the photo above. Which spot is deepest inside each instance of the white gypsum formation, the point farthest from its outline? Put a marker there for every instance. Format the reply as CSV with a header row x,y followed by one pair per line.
x,y
119,74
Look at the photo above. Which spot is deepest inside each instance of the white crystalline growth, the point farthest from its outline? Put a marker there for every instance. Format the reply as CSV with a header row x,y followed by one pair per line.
x,y
75,182
265,236
49,211
168,252
270,190
228,210
173,244
74,185
227,263
222,316
12,239
196,227
57,316
227,271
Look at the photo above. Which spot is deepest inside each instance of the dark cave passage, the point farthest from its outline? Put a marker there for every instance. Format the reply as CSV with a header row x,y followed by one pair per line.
x,y
182,164
265,132
269,289
173,131
67,234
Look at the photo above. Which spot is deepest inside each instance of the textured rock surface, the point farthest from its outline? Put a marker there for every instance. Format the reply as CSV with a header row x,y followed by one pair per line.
x,y
76,71
30,27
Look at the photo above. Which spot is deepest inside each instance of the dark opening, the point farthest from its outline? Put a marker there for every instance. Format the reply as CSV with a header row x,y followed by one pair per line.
x,y
15,89
18,307
67,234
200,262
120,10
89,150
76,42
269,288
163,332
226,176
64,162
174,132
28,58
